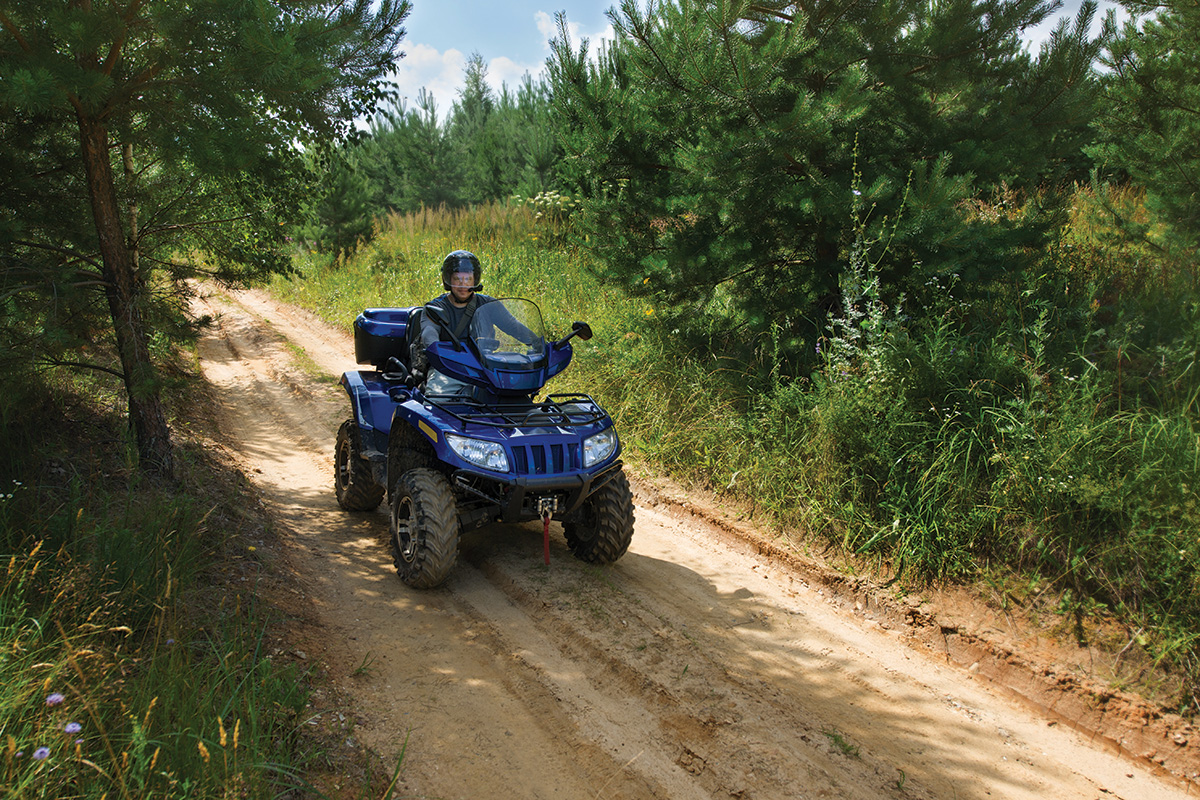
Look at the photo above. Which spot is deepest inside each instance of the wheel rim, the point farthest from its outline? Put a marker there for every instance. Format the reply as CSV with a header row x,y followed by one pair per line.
x,y
402,521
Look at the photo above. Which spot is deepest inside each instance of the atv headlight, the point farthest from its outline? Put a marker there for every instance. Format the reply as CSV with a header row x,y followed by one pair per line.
x,y
488,455
599,447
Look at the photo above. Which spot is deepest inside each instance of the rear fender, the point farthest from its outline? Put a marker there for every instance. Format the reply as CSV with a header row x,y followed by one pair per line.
x,y
372,409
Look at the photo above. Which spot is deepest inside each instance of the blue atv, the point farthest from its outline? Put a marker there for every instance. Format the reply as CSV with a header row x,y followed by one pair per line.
x,y
471,445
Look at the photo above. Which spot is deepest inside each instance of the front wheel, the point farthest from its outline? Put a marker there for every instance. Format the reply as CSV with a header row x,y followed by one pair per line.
x,y
603,532
354,484
424,528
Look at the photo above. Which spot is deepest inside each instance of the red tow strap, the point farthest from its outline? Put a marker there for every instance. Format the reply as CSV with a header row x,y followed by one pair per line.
x,y
546,537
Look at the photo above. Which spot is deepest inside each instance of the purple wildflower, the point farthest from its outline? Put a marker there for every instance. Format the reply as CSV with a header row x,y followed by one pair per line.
x,y
72,727
41,754
54,699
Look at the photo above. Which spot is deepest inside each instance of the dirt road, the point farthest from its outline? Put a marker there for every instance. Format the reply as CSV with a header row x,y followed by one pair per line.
x,y
701,665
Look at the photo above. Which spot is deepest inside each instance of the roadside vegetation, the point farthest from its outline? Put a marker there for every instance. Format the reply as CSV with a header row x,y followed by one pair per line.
x,y
140,656
143,145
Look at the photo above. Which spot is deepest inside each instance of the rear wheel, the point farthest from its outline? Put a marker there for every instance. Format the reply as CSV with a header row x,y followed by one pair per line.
x,y
424,528
605,528
354,483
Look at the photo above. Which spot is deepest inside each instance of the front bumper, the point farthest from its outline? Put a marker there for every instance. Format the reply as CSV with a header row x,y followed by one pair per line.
x,y
517,498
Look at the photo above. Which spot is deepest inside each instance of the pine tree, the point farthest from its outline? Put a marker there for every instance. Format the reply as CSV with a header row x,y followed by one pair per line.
x,y
538,150
730,149
472,133
490,148
411,160
1151,115
341,216
183,119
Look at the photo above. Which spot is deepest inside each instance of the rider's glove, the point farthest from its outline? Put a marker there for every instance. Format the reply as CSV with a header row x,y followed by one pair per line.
x,y
420,359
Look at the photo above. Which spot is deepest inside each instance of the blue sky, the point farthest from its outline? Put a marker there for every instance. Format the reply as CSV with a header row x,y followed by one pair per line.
x,y
513,38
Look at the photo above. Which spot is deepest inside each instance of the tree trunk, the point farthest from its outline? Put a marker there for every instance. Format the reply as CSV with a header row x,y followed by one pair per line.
x,y
124,288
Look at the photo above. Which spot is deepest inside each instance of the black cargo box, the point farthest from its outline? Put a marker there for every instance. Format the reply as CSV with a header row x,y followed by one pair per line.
x,y
380,333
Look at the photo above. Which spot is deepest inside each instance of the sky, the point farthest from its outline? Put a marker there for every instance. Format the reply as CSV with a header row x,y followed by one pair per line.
x,y
513,37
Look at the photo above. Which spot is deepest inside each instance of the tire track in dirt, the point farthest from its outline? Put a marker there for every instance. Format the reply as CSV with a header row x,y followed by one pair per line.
x,y
693,668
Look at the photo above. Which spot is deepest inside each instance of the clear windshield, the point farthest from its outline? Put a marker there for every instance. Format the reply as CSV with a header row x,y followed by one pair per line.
x,y
510,335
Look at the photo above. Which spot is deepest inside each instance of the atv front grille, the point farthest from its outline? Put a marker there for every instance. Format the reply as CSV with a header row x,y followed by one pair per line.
x,y
540,459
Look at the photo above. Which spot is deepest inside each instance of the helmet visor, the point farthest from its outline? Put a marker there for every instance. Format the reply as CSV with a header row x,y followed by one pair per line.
x,y
463,280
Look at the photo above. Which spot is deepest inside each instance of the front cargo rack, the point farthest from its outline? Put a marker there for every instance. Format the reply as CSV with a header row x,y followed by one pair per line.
x,y
560,410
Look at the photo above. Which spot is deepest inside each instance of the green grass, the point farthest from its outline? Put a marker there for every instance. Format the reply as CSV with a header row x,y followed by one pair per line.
x,y
136,657
843,745
304,362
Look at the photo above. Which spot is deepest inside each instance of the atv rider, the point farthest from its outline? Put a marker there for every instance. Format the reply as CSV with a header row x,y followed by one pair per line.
x,y
447,318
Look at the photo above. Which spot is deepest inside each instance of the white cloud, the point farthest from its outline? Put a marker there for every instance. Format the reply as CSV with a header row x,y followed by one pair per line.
x,y
440,73
504,71
548,26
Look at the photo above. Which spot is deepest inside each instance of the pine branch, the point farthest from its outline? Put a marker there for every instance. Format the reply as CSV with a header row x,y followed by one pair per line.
x,y
56,362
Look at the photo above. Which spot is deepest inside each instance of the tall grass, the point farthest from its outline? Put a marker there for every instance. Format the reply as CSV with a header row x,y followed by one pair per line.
x,y
1050,434
1047,438
402,264
128,670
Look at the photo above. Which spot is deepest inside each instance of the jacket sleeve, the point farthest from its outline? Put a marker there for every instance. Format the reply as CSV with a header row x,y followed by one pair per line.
x,y
513,327
431,331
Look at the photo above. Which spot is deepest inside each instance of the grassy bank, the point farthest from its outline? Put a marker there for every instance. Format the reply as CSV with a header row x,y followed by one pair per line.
x,y
139,659
1038,442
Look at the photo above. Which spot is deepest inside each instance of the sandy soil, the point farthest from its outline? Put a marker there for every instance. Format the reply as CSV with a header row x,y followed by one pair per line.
x,y
710,662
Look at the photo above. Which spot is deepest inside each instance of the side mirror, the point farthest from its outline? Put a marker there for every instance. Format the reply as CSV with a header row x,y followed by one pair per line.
x,y
580,329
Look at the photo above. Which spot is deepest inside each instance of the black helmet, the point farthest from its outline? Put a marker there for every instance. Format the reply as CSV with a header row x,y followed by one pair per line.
x,y
461,261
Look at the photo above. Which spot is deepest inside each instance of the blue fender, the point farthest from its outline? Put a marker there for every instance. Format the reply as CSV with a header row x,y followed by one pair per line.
x,y
372,409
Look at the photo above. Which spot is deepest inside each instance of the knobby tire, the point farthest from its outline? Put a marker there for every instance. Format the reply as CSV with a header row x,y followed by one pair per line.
x,y
425,528
603,534
354,483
